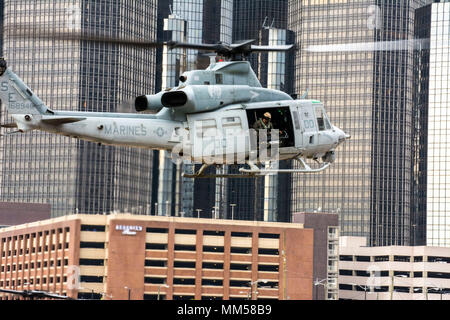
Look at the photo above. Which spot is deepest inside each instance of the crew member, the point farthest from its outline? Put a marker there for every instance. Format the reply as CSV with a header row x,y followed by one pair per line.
x,y
264,123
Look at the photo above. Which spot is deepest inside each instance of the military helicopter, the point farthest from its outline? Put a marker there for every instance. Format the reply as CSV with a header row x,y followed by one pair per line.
x,y
208,119
34,294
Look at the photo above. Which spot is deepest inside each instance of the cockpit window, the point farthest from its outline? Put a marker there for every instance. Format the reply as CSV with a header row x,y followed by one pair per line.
x,y
322,120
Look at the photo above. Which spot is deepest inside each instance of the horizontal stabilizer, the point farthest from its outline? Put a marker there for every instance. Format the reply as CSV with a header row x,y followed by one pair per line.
x,y
60,120
9,125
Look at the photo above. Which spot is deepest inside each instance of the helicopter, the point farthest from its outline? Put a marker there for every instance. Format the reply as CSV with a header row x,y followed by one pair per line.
x,y
34,294
208,119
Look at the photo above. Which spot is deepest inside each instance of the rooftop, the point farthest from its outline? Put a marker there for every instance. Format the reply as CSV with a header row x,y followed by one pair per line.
x,y
105,219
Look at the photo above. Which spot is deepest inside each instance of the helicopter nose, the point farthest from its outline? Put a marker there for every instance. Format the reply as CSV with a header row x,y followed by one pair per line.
x,y
342,136
348,137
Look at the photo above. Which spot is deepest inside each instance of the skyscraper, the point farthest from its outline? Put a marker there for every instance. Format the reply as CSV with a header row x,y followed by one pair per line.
x,y
205,22
432,109
266,22
251,20
368,93
71,175
1,24
1,39
215,196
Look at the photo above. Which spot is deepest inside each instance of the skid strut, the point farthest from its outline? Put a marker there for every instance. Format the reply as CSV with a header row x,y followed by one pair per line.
x,y
254,171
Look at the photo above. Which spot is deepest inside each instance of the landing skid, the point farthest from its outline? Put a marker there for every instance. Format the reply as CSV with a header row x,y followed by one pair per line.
x,y
305,168
255,171
200,174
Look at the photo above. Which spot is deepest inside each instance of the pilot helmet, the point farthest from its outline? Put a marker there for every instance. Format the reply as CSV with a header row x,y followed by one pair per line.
x,y
267,115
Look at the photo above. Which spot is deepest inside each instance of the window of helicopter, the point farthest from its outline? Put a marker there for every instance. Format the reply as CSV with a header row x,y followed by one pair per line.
x,y
231,125
327,123
206,128
230,119
219,78
325,120
320,114
296,120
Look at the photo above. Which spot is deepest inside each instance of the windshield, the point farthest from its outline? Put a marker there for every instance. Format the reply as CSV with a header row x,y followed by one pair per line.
x,y
322,119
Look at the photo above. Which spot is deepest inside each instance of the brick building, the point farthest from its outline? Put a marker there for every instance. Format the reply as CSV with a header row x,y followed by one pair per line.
x,y
326,252
153,257
14,213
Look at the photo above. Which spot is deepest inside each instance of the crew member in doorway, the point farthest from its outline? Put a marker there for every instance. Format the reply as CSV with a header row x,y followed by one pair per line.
x,y
264,123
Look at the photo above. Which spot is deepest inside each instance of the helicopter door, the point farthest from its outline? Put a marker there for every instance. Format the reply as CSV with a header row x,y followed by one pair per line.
x,y
235,136
309,125
218,137
203,134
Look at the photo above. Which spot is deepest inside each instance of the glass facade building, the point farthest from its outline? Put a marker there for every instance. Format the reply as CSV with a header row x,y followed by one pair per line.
x,y
214,196
369,94
251,20
205,22
1,19
258,198
434,106
77,176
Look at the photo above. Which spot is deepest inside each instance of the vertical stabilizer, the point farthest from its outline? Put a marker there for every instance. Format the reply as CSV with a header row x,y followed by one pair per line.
x,y
16,96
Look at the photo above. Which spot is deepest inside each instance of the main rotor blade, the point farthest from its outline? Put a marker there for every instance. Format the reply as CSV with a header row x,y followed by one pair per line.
x,y
242,43
35,294
397,45
199,46
27,31
69,34
277,48
11,291
49,295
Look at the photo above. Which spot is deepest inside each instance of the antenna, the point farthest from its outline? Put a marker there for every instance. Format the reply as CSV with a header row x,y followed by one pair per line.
x,y
305,95
264,23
